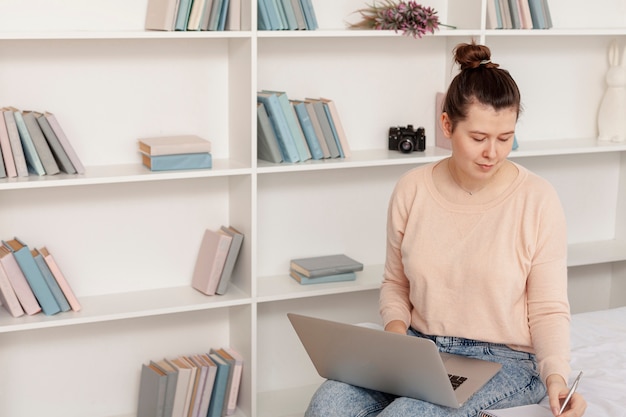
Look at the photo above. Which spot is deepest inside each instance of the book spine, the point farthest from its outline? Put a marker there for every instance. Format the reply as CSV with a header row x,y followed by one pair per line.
x,y
178,161
16,144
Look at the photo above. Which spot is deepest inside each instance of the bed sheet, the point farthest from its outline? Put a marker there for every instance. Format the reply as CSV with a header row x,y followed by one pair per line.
x,y
598,344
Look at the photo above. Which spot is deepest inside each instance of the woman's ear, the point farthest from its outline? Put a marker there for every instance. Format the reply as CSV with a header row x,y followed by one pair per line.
x,y
446,125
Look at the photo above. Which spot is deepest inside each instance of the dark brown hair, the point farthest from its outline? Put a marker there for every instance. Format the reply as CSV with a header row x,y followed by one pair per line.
x,y
479,81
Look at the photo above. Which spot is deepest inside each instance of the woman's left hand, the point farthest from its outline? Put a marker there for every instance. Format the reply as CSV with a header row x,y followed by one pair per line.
x,y
557,391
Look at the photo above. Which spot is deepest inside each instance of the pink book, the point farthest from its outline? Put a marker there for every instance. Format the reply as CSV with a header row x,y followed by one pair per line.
x,y
18,282
7,153
211,260
8,297
60,278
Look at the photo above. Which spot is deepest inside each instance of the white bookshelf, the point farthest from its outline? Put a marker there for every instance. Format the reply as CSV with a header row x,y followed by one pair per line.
x,y
127,238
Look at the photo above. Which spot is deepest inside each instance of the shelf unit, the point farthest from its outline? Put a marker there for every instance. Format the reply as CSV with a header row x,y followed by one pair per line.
x,y
127,238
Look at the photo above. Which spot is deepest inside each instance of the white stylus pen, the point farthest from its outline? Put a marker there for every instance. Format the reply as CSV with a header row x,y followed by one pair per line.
x,y
571,392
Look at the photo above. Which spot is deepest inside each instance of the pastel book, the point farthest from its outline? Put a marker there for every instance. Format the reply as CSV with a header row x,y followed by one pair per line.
x,y
5,147
177,162
18,282
182,14
170,385
16,145
3,172
180,408
32,158
60,279
33,275
152,389
210,261
173,145
304,280
337,126
50,280
209,368
318,266
309,14
8,297
327,132
63,139
235,361
41,144
267,143
59,152
161,14
307,129
286,142
310,109
231,258
218,395
293,125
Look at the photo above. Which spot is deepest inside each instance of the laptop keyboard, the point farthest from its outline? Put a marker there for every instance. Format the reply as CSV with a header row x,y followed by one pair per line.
x,y
456,380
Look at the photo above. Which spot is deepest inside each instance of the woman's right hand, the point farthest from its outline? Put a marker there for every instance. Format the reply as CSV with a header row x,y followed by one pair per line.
x,y
396,326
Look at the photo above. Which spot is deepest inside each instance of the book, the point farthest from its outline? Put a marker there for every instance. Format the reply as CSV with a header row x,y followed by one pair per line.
x,y
173,145
170,385
214,16
60,279
218,394
328,136
235,360
231,258
299,13
309,14
515,14
267,143
7,153
206,14
152,388
40,142
195,15
33,275
3,172
178,161
310,109
493,20
337,126
182,15
537,14
221,25
50,280
210,262
290,15
180,407
525,17
233,21
546,13
273,15
8,297
318,266
16,144
161,15
304,280
307,129
293,125
210,369
61,156
193,385
32,158
287,145
18,282
67,146
262,16
532,410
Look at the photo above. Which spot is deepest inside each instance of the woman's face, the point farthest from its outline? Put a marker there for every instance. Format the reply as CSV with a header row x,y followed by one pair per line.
x,y
482,142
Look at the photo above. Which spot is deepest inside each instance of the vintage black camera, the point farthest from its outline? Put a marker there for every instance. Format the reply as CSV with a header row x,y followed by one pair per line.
x,y
406,139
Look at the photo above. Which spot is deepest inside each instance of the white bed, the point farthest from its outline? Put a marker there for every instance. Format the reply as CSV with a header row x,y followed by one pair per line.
x,y
599,350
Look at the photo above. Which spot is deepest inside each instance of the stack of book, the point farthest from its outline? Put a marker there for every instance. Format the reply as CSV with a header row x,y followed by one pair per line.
x,y
193,15
518,14
205,384
31,281
322,269
216,260
286,15
34,142
170,153
298,130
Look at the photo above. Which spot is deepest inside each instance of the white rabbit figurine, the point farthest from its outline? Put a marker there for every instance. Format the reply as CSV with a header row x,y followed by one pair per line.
x,y
612,111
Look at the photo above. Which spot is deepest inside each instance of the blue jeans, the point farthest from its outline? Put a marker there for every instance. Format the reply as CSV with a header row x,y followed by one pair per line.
x,y
517,383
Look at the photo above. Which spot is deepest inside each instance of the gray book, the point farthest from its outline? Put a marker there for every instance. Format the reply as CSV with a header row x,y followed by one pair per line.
x,y
59,153
231,258
152,387
319,266
267,143
16,144
326,129
39,142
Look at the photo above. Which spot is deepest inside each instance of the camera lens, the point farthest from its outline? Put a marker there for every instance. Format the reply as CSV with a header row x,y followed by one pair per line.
x,y
405,146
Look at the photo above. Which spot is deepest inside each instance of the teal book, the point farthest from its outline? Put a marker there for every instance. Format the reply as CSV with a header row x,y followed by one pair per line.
x,y
309,14
293,125
32,158
50,280
174,162
290,15
214,17
231,258
33,275
304,280
333,129
220,385
320,112
267,143
286,142
307,129
537,14
262,16
182,17
274,16
221,24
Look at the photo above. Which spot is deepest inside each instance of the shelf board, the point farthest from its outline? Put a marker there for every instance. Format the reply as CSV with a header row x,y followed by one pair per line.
x,y
129,305
283,287
593,253
106,174
140,34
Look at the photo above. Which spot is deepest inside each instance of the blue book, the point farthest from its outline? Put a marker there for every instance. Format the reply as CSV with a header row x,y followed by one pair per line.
x,y
333,129
274,16
221,25
51,281
175,162
262,16
220,384
33,275
304,280
34,163
279,123
182,17
293,125
214,17
290,15
309,14
537,14
308,129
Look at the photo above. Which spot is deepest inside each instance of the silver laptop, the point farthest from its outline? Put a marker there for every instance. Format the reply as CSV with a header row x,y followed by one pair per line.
x,y
403,365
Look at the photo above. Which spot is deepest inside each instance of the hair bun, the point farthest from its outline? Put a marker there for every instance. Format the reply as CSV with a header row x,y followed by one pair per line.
x,y
471,55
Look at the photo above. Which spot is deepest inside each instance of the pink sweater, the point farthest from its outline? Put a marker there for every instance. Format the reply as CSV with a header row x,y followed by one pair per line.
x,y
495,272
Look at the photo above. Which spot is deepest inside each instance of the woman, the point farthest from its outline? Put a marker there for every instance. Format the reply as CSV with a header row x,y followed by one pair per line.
x,y
476,260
